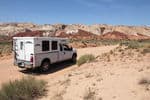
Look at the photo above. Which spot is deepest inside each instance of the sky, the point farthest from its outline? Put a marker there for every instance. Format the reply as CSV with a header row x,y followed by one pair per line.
x,y
114,12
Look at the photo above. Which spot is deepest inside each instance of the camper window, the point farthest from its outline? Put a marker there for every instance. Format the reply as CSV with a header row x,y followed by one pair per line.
x,y
45,45
54,45
21,45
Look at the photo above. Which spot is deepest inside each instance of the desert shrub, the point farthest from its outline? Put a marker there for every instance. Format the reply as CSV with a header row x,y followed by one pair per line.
x,y
146,50
97,42
131,44
0,52
134,45
144,81
28,88
5,48
148,46
108,58
111,52
85,58
89,95
58,96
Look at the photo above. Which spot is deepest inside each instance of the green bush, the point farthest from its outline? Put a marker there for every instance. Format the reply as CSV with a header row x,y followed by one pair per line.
x,y
85,58
28,88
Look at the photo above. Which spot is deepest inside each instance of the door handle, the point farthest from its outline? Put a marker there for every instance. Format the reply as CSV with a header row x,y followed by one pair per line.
x,y
64,53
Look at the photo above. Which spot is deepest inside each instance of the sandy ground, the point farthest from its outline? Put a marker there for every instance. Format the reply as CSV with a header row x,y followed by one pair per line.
x,y
10,72
113,79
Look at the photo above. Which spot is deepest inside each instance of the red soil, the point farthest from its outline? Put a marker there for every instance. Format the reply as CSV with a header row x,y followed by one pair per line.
x,y
115,35
29,34
119,36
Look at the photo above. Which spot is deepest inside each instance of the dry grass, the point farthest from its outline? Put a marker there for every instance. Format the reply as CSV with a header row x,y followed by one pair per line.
x,y
27,88
5,48
145,51
58,95
89,95
144,81
85,59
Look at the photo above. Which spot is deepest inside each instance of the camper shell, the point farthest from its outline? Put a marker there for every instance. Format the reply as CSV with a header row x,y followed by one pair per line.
x,y
32,52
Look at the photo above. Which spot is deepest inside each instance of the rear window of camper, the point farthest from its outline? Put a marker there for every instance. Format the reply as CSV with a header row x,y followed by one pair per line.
x,y
54,45
45,45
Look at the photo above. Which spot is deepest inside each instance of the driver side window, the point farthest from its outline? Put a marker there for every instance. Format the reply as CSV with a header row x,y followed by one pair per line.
x,y
61,48
66,47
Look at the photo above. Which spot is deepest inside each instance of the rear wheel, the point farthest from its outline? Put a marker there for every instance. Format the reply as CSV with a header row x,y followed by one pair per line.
x,y
45,66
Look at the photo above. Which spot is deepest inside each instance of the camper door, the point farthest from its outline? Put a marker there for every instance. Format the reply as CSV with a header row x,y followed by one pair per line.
x,y
19,50
28,49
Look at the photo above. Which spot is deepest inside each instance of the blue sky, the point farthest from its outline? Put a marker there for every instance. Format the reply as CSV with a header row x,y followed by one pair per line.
x,y
115,12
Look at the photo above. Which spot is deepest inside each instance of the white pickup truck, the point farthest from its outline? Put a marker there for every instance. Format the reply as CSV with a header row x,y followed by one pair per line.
x,y
32,52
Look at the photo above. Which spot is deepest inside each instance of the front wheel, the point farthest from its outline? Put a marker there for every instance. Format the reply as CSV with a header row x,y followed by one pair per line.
x,y
45,66
74,58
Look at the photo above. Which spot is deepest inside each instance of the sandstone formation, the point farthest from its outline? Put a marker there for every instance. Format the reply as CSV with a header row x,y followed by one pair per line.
x,y
76,30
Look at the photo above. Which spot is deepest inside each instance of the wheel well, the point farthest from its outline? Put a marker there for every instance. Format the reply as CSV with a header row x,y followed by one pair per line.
x,y
74,54
46,59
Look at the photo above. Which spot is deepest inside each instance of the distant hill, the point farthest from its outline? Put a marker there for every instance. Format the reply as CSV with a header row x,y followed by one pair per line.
x,y
76,30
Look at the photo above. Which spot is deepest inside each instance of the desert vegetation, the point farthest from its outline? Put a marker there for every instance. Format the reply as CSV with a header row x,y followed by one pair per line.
x,y
126,60
89,95
85,58
28,88
136,44
5,48
145,82
133,44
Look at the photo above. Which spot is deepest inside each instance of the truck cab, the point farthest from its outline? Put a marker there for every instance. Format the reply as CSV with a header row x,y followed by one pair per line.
x,y
33,52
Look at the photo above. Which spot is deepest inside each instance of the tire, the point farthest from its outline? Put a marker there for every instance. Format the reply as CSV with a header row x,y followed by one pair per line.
x,y
74,58
45,66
